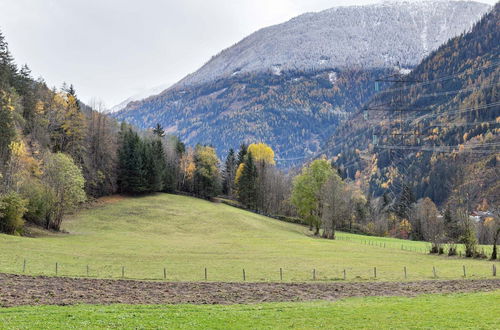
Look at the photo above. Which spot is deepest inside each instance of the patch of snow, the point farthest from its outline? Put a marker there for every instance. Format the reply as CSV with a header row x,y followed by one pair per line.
x,y
404,71
276,69
332,76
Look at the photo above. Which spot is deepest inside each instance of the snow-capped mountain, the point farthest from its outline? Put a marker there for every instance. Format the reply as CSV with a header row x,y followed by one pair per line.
x,y
291,84
371,36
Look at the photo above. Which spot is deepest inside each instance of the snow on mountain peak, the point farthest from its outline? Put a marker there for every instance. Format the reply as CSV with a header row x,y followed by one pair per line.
x,y
379,35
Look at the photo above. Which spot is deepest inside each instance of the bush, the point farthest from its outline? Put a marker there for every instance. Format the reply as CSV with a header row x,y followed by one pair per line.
x,y
452,251
12,209
441,250
40,203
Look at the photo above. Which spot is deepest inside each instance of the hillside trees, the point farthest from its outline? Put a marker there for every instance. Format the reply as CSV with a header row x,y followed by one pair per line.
x,y
101,158
260,185
141,163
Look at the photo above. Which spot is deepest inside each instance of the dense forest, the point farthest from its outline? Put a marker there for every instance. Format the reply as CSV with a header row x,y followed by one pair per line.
x,y
56,154
435,130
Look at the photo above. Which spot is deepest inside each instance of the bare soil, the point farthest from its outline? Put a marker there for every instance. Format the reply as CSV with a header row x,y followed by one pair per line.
x,y
18,290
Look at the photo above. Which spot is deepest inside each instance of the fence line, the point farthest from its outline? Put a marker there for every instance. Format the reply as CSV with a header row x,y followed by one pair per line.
x,y
375,272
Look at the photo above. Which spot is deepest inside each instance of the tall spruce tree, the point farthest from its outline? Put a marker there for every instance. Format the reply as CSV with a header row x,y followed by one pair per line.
x,y
131,173
158,130
405,202
229,173
247,183
156,165
241,154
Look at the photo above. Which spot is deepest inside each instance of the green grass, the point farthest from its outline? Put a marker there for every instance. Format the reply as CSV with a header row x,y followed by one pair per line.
x,y
459,311
185,235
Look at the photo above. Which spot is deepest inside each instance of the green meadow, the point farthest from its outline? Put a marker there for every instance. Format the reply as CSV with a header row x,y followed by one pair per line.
x,y
142,237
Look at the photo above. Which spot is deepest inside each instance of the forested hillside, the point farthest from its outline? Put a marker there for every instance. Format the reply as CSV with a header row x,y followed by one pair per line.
x,y
436,131
291,84
57,153
294,112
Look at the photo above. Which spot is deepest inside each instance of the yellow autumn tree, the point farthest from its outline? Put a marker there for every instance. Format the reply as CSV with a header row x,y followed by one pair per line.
x,y
262,152
239,171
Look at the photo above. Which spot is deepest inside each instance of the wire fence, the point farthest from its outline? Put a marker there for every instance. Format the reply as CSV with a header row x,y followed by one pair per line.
x,y
413,246
194,273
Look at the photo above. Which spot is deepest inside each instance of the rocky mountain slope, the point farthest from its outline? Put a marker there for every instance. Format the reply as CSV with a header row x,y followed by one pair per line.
x,y
290,85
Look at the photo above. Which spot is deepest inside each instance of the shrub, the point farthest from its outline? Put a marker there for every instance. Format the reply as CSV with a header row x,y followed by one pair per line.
x,y
12,209
452,251
40,203
441,250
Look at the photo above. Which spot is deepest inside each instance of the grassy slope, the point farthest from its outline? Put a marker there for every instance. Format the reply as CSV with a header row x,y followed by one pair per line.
x,y
476,310
185,235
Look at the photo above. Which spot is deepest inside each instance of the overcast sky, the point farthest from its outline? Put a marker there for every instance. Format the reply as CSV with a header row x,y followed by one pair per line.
x,y
112,49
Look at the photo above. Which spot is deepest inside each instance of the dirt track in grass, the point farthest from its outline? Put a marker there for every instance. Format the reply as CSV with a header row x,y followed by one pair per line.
x,y
18,290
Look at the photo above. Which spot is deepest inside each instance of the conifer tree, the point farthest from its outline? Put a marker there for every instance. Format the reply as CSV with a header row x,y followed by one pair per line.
x,y
131,174
155,165
229,173
247,183
404,203
159,131
242,153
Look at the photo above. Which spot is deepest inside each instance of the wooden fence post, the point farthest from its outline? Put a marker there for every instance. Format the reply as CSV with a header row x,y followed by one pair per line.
x,y
206,274
494,270
24,266
375,272
244,276
434,271
164,273
465,274
314,274
344,275
87,270
281,274
405,272
56,268
123,271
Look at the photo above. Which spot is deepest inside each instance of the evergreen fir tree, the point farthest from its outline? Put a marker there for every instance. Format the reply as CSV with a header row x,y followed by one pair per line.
x,y
405,202
229,173
131,174
247,184
241,154
452,226
159,131
156,166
